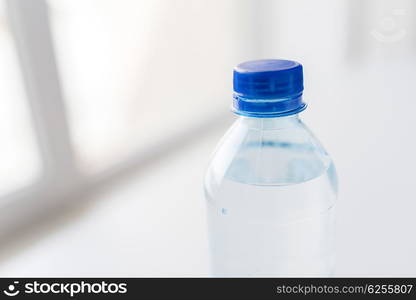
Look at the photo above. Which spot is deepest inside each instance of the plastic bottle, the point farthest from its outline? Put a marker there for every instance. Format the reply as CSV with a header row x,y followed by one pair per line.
x,y
270,187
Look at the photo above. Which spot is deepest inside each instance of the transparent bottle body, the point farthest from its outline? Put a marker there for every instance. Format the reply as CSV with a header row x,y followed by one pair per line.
x,y
271,190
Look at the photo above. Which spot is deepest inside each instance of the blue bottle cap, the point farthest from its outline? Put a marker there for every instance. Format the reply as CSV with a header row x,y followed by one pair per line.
x,y
268,88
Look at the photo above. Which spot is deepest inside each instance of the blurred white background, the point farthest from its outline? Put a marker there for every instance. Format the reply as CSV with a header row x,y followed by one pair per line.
x,y
110,110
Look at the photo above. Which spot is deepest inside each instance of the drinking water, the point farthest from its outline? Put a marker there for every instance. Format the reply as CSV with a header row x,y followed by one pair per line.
x,y
270,187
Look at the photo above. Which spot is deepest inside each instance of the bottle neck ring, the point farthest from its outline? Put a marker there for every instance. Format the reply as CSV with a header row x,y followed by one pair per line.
x,y
267,108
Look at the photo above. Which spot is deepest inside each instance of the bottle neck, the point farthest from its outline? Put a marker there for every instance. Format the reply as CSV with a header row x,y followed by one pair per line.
x,y
270,123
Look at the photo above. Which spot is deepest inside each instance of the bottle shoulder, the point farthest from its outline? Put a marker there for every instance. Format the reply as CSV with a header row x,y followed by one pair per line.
x,y
268,152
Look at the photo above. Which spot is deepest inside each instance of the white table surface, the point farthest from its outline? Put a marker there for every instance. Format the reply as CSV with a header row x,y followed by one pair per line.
x,y
154,224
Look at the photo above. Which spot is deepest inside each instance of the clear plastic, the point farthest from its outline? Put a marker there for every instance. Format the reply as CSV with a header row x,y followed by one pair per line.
x,y
271,190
